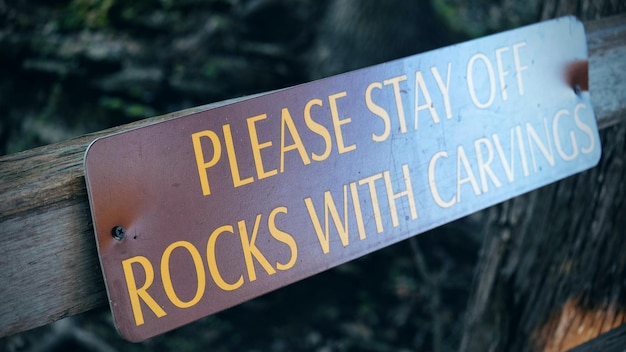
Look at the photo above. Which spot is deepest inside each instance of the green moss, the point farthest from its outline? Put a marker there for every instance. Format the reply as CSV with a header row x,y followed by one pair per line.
x,y
453,15
131,110
210,69
90,14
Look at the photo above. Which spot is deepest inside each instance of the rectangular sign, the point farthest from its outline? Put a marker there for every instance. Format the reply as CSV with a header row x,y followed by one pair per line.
x,y
200,213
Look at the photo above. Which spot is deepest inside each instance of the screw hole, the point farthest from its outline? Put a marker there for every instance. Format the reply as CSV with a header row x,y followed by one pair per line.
x,y
118,233
577,89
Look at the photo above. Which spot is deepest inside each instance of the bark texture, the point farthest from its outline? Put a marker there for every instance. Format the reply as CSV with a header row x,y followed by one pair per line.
x,y
551,273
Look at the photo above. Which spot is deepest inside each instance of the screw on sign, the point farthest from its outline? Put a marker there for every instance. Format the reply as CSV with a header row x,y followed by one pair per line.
x,y
118,233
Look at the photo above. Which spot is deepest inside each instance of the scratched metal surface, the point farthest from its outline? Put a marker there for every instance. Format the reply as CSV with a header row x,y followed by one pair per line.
x,y
478,151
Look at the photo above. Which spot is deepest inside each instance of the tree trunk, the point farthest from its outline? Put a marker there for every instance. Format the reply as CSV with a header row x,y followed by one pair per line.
x,y
552,273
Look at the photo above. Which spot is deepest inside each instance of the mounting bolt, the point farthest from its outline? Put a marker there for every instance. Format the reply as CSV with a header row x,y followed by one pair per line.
x,y
118,232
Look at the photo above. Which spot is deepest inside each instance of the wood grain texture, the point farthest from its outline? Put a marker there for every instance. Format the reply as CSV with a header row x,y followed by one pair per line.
x,y
48,261
551,273
49,265
606,40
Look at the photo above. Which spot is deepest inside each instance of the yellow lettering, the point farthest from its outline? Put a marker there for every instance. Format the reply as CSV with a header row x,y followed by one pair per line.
x,y
557,140
444,88
522,151
256,147
408,193
167,279
370,181
395,82
232,159
518,67
379,111
202,164
136,293
470,81
318,129
287,121
212,260
420,84
251,250
329,206
501,72
585,128
356,203
283,237
462,159
337,123
547,152
484,166
432,181
508,166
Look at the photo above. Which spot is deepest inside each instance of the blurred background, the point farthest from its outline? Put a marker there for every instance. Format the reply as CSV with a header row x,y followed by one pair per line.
x,y
69,67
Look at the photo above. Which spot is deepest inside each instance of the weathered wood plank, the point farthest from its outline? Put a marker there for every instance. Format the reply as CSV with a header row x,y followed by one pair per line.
x,y
48,261
606,39
549,276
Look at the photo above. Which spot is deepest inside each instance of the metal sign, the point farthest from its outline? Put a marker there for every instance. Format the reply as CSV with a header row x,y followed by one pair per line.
x,y
200,213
